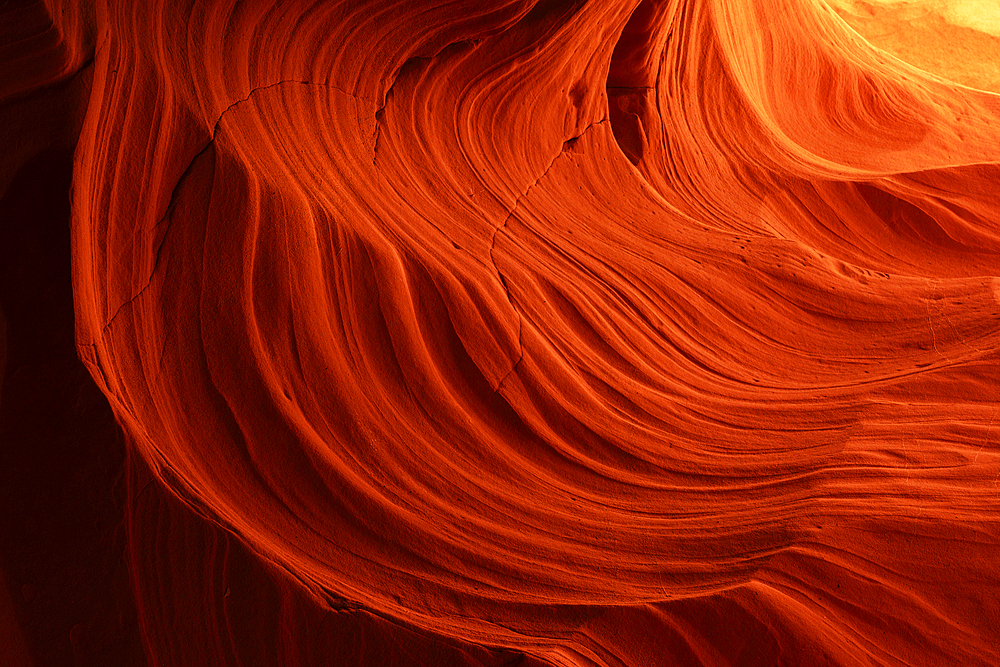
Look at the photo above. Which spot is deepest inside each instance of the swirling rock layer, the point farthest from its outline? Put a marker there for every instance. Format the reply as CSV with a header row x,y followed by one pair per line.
x,y
557,332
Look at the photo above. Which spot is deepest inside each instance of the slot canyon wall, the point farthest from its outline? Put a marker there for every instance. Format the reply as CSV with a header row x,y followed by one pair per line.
x,y
531,332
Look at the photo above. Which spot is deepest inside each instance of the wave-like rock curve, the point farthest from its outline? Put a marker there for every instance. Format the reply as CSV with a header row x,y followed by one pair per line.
x,y
597,332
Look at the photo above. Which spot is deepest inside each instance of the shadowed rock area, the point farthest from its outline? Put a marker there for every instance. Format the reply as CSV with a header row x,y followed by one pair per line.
x,y
567,333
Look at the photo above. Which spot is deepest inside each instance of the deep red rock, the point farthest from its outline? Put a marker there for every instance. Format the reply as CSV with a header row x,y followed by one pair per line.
x,y
566,333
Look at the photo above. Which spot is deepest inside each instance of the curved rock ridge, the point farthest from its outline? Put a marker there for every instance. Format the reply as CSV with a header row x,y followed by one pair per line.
x,y
568,332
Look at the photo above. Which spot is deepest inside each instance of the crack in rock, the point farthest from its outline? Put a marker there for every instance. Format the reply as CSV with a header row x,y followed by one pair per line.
x,y
567,145
409,64
187,170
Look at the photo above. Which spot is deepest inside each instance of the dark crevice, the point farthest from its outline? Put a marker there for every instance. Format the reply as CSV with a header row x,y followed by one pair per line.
x,y
60,551
633,75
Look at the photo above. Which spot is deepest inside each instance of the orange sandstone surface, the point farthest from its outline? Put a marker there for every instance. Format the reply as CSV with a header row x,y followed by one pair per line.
x,y
539,332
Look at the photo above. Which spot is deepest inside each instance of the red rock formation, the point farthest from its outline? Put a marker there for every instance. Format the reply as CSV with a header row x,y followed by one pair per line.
x,y
566,333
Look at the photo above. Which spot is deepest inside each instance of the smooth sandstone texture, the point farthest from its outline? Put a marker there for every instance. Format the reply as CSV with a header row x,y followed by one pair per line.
x,y
556,333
